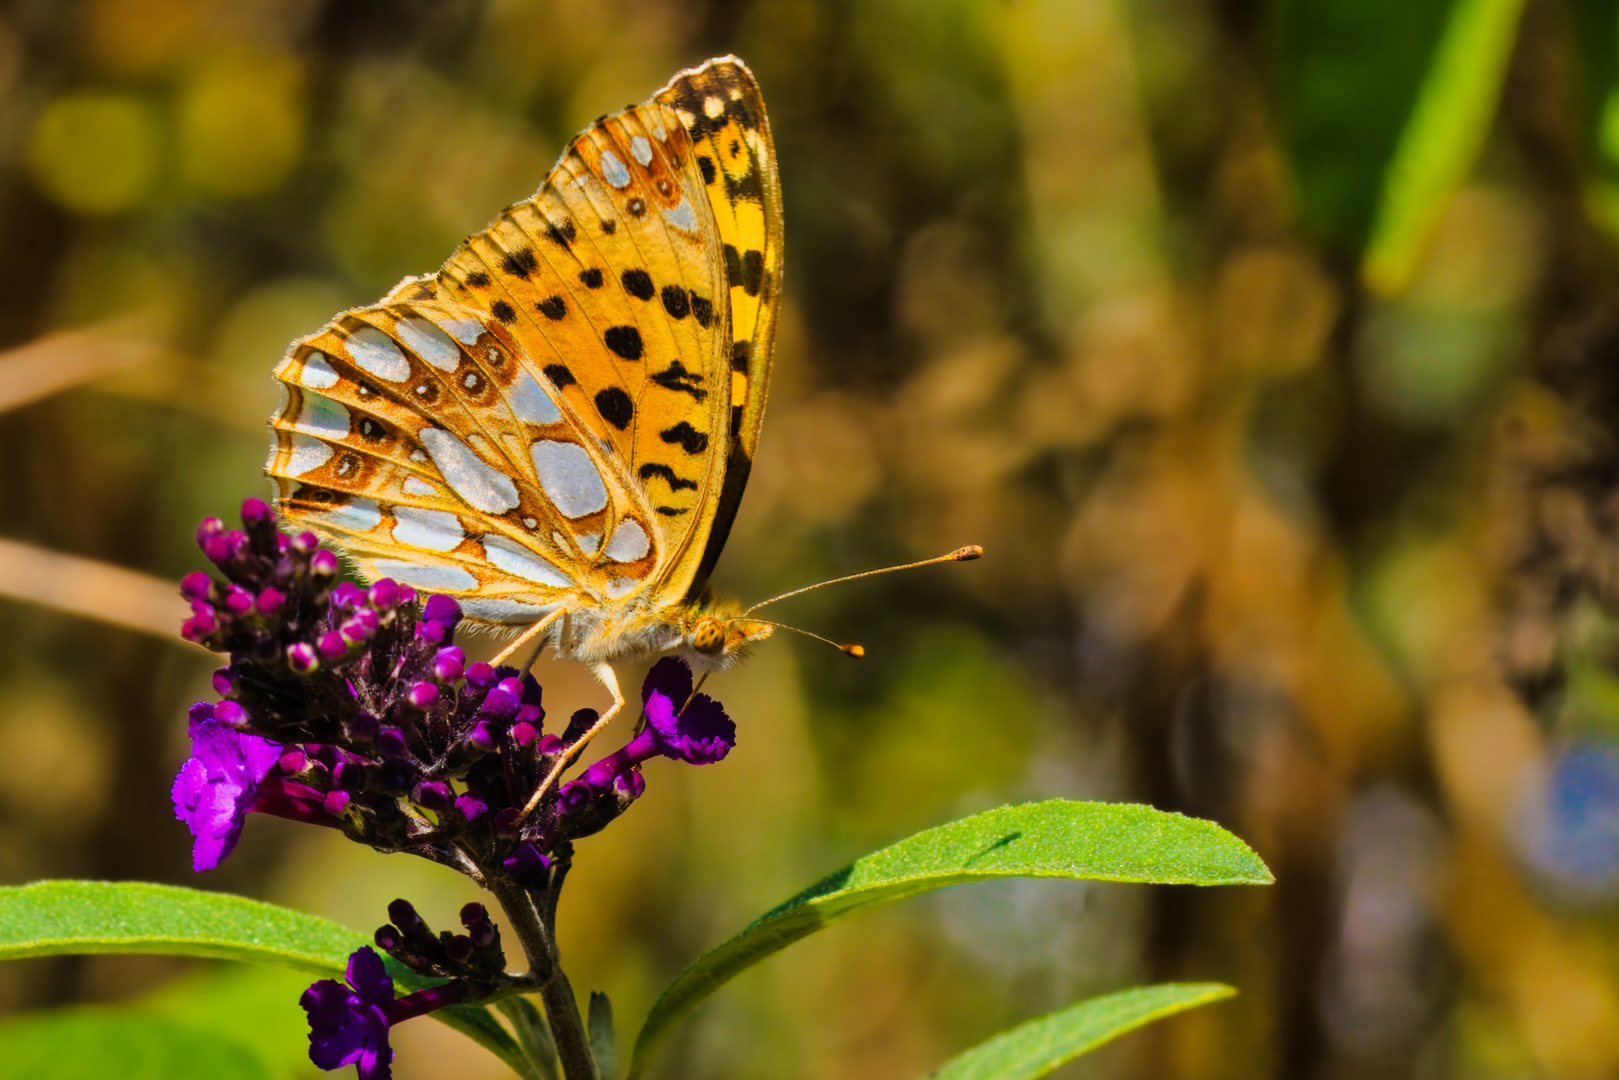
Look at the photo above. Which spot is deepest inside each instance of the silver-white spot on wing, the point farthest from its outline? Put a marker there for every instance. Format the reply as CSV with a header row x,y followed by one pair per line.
x,y
499,610
530,402
569,477
620,587
659,133
307,454
641,150
356,515
431,530
415,485
628,543
589,542
682,216
376,353
322,416
317,373
613,170
430,343
482,485
524,563
465,331
430,578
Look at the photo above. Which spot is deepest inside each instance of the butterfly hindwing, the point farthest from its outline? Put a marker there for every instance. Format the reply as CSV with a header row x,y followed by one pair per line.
x,y
566,413
409,434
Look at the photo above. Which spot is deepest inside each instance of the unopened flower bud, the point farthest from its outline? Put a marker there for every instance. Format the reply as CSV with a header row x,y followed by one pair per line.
x,y
256,512
449,663
196,585
383,594
432,795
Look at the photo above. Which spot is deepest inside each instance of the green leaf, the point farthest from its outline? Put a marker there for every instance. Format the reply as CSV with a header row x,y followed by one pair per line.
x,y
603,1040
533,1034
1442,140
1052,839
122,1044
52,918
1032,1050
1348,74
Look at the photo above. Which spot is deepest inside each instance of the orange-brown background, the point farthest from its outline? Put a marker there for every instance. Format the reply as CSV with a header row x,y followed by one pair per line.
x,y
1263,545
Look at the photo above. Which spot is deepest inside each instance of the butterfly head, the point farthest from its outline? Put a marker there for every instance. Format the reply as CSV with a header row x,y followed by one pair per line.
x,y
717,636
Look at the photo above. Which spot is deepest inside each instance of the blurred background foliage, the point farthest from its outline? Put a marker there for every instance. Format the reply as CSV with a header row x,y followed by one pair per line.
x,y
1271,349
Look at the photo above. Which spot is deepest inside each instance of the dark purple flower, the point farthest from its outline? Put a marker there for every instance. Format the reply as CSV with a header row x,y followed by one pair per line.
x,y
348,1025
218,785
680,725
687,727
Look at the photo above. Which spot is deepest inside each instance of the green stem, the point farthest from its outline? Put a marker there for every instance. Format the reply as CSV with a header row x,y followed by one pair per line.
x,y
561,1010
568,1028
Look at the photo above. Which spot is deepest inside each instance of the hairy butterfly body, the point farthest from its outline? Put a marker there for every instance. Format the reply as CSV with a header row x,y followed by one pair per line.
x,y
556,428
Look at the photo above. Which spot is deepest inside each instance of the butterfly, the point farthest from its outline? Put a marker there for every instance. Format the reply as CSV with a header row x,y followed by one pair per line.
x,y
556,428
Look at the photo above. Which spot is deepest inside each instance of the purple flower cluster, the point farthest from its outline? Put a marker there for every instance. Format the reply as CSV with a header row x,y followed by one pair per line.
x,y
353,708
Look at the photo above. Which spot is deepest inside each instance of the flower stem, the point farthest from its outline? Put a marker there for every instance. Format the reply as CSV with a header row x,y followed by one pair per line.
x,y
561,1010
568,1028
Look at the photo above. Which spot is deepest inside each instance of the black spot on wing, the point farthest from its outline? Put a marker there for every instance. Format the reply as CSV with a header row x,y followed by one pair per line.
x,y
676,483
591,278
686,437
638,283
670,511
520,263
749,186
753,272
703,310
741,355
609,227
706,164
559,375
636,206
616,407
553,307
676,377
676,301
503,311
624,341
563,234
478,279
736,422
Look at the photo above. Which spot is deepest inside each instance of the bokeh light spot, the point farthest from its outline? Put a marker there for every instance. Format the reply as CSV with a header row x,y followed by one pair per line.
x,y
95,153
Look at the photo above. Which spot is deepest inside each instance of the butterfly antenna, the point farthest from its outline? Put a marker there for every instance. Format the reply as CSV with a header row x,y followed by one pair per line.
x,y
965,554
848,650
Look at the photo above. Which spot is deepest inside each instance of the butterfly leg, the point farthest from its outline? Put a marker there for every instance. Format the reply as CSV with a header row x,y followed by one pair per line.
x,y
608,678
528,635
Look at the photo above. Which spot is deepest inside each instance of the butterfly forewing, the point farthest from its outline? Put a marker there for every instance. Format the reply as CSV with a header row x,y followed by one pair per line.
x,y
721,108
566,412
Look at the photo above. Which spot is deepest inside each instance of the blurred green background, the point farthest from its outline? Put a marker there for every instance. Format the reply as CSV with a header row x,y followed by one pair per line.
x,y
1271,349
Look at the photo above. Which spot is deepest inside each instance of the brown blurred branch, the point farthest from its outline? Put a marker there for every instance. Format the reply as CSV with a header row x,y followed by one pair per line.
x,y
62,361
95,590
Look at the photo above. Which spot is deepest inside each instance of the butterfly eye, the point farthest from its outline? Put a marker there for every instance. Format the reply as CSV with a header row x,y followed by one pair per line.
x,y
709,638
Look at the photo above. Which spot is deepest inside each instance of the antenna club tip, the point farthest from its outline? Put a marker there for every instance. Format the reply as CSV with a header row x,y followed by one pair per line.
x,y
855,651
968,553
